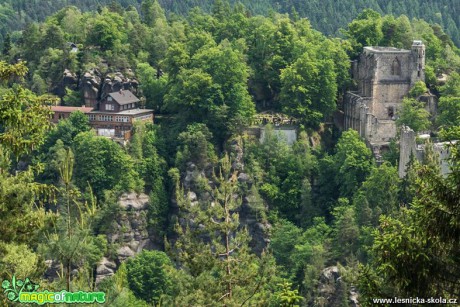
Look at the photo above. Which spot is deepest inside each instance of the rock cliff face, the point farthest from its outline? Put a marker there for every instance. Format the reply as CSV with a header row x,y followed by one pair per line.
x,y
333,290
131,226
93,84
128,236
129,233
250,210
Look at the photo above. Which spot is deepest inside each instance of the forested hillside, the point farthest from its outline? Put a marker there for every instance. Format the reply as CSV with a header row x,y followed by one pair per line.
x,y
207,205
327,16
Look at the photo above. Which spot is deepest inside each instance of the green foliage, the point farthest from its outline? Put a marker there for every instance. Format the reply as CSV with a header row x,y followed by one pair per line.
x,y
414,115
69,239
352,162
218,68
418,89
152,87
449,111
421,241
148,277
152,168
450,134
301,254
309,89
20,216
365,30
105,31
372,29
216,256
117,290
73,98
152,12
381,189
392,155
209,87
6,45
103,165
284,175
287,297
67,129
24,116
19,260
24,121
195,147
452,86
346,231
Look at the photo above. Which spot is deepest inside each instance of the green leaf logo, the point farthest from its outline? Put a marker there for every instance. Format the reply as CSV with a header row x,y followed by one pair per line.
x,y
13,288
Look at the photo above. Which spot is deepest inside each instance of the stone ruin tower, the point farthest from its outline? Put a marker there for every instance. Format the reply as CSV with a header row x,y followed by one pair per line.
x,y
383,75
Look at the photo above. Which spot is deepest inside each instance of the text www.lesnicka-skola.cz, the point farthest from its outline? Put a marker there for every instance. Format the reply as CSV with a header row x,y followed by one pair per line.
x,y
415,300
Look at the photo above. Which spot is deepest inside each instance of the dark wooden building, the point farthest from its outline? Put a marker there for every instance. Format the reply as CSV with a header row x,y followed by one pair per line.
x,y
62,112
114,115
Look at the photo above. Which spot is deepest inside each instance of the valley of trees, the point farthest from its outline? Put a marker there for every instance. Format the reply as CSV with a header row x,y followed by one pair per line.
x,y
231,220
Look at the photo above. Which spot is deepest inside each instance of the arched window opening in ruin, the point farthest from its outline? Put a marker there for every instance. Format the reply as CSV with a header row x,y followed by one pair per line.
x,y
396,67
391,112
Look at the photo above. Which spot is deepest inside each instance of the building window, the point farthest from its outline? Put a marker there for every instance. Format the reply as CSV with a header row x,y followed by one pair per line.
x,y
123,119
391,112
92,117
105,118
396,67
109,107
61,116
109,98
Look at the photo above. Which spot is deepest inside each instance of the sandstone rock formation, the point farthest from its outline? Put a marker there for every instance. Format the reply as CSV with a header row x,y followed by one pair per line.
x,y
333,290
249,211
128,233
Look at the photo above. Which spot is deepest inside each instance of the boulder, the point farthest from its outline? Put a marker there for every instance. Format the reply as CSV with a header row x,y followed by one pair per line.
x,y
243,177
133,201
332,289
125,252
192,196
105,269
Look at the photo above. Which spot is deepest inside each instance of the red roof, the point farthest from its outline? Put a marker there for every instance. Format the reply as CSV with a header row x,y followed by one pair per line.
x,y
64,109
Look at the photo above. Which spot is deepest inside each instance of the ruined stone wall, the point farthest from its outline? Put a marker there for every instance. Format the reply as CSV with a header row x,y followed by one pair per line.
x,y
394,66
407,147
388,95
355,113
384,76
384,130
443,155
431,103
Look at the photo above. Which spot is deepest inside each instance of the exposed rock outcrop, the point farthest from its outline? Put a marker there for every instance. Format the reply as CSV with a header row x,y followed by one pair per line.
x,y
334,291
94,84
129,234
89,85
250,216
131,226
105,268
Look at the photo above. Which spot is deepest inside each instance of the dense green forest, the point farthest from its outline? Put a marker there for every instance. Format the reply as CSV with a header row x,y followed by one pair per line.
x,y
327,16
194,211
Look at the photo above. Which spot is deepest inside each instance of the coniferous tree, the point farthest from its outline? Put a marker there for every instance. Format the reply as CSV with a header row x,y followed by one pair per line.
x,y
213,247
